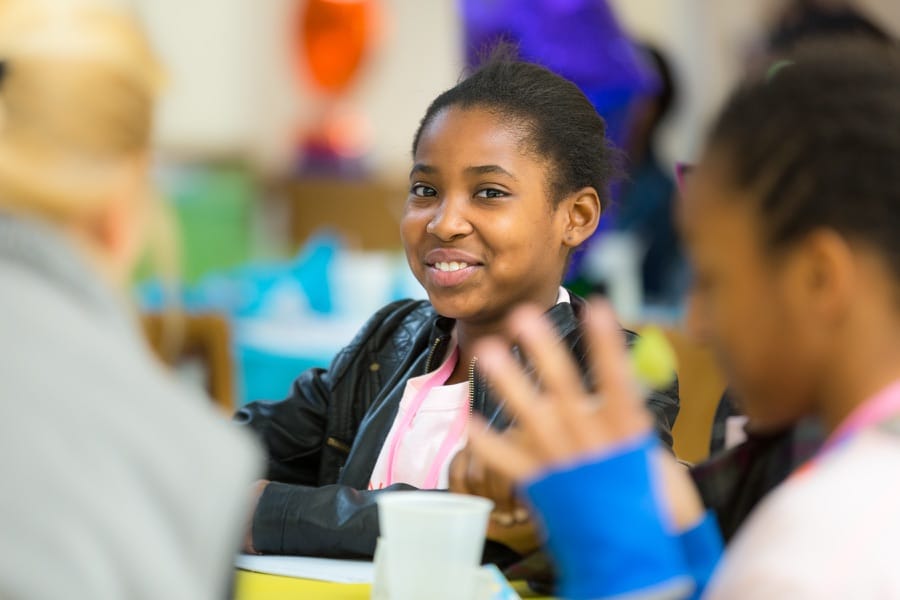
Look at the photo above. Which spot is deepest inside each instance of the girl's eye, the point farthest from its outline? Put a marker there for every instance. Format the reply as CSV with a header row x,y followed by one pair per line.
x,y
423,191
490,193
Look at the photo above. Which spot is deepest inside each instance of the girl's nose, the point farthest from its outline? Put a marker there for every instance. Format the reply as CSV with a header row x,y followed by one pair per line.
x,y
449,220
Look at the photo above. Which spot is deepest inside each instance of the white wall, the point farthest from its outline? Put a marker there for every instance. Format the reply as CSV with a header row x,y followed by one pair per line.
x,y
421,56
234,89
209,58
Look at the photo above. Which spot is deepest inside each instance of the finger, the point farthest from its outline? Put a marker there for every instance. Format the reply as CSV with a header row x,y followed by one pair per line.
x,y
520,393
553,363
623,408
458,468
501,489
681,500
557,370
521,538
503,518
503,455
476,476
521,514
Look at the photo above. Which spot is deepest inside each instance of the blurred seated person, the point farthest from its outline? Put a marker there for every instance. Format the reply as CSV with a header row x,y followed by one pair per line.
x,y
740,472
117,482
822,343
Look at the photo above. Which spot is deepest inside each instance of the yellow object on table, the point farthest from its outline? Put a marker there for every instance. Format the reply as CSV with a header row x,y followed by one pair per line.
x,y
260,586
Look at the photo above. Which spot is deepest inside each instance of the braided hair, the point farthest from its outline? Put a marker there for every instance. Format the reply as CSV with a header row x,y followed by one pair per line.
x,y
817,142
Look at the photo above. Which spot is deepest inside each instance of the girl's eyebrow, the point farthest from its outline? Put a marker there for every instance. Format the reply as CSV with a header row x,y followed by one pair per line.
x,y
489,169
424,169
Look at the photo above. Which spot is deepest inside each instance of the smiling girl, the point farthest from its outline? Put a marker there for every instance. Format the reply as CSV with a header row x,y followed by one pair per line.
x,y
510,174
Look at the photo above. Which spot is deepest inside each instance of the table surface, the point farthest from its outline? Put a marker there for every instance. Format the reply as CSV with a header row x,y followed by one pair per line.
x,y
260,586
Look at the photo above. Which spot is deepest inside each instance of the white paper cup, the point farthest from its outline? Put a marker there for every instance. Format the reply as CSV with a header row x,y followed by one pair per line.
x,y
434,543
379,579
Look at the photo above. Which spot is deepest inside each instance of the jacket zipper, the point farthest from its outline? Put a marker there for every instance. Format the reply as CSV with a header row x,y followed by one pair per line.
x,y
428,360
472,385
434,346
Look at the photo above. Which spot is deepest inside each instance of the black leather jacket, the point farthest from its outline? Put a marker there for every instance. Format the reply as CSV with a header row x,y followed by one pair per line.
x,y
324,439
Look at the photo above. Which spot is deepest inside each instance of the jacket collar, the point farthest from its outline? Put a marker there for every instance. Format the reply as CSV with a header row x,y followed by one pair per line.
x,y
565,317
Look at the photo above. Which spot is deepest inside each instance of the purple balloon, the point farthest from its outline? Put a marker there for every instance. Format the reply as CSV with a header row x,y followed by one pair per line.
x,y
578,39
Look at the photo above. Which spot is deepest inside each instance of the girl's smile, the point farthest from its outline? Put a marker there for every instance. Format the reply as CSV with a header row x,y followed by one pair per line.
x,y
448,267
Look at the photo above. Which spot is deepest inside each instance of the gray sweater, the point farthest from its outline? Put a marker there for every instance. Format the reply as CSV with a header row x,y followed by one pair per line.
x,y
116,481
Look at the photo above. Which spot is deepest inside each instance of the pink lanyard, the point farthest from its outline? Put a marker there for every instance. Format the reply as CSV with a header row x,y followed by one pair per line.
x,y
456,430
873,411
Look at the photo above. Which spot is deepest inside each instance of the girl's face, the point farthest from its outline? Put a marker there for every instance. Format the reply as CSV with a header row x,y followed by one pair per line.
x,y
751,306
480,232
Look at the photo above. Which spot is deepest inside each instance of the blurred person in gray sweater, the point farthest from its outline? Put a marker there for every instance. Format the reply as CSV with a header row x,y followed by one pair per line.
x,y
117,482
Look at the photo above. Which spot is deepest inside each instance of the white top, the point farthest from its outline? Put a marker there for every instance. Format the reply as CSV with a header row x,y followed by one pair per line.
x,y
832,531
421,444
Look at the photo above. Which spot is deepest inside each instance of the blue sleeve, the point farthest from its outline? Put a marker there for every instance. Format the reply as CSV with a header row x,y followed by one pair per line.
x,y
701,547
605,528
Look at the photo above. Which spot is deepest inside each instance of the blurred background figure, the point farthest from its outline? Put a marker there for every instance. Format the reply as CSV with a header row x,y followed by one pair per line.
x,y
118,482
646,198
802,20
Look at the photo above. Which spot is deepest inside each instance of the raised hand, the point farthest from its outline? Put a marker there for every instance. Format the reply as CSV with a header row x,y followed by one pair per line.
x,y
562,421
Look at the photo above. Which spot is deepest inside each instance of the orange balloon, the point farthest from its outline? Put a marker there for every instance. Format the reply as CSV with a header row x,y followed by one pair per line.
x,y
334,39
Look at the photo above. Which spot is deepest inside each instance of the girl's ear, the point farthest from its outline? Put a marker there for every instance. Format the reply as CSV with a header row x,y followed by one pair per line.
x,y
827,275
581,212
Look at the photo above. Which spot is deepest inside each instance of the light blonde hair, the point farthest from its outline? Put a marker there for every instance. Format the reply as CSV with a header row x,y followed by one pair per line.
x,y
77,98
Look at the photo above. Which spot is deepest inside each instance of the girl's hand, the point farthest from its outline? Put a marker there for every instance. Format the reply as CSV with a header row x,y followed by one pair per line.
x,y
562,421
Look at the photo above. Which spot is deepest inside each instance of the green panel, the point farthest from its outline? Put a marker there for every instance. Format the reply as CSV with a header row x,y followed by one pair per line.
x,y
214,209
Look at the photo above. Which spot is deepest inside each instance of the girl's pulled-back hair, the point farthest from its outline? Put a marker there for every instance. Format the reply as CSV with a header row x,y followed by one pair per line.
x,y
558,121
817,142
